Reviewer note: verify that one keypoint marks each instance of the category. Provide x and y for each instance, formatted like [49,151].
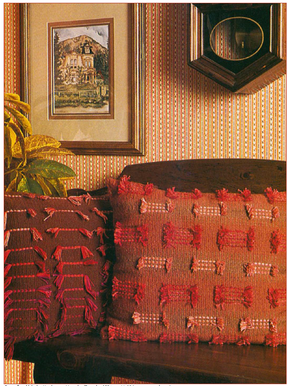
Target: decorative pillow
[196,267]
[55,266]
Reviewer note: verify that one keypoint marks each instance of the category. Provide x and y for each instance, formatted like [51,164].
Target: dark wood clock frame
[254,73]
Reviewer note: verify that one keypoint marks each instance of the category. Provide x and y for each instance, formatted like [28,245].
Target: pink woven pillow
[196,267]
[55,267]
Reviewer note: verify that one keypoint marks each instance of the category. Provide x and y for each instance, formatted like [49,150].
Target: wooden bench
[88,359]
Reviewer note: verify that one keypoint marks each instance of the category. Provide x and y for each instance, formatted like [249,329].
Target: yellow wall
[186,115]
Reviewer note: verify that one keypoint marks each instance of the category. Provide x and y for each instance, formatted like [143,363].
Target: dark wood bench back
[211,174]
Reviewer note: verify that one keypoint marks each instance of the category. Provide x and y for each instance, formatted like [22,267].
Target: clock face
[236,38]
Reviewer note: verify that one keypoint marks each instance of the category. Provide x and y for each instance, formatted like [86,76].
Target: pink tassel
[60,295]
[57,253]
[8,302]
[7,282]
[5,220]
[50,212]
[29,195]
[6,238]
[275,213]
[9,348]
[36,235]
[59,281]
[6,254]
[40,252]
[88,287]
[89,317]
[7,269]
[85,252]
[101,214]
[7,293]
[31,212]
[54,231]
[86,233]
[91,304]
[75,200]
[82,215]
[87,198]
[123,187]
[195,210]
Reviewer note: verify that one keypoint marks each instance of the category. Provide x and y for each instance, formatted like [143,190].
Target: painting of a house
[81,73]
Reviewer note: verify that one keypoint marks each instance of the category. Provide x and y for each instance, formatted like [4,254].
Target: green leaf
[8,144]
[20,138]
[49,151]
[29,185]
[58,186]
[42,182]
[23,121]
[50,169]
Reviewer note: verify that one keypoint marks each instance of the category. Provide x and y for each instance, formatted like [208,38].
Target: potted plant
[26,166]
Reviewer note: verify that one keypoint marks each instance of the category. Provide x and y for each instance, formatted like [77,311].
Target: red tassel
[196,194]
[123,187]
[193,338]
[82,215]
[7,282]
[271,194]
[31,212]
[222,194]
[102,249]
[6,254]
[88,287]
[246,194]
[90,262]
[63,316]
[40,265]
[57,253]
[86,252]
[50,212]
[6,238]
[7,293]
[9,348]
[45,290]
[101,232]
[54,231]
[196,242]
[172,194]
[39,336]
[85,232]
[36,235]
[59,281]
[8,302]
[248,296]
[59,267]
[40,252]
[43,276]
[101,214]
[7,269]
[29,195]
[75,200]
[250,239]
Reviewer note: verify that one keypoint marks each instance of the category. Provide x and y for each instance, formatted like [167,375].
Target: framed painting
[83,73]
[80,71]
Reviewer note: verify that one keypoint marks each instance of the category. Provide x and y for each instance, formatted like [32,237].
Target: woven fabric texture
[196,267]
[55,266]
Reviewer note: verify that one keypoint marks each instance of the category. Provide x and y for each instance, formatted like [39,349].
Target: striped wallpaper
[187,115]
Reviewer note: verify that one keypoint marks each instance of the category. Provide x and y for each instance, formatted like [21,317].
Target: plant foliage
[26,166]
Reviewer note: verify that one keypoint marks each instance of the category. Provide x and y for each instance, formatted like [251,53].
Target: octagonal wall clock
[240,46]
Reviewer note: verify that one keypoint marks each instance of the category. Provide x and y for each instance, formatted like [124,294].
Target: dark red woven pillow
[198,267]
[55,267]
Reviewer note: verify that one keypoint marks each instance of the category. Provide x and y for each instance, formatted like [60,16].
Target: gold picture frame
[121,133]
